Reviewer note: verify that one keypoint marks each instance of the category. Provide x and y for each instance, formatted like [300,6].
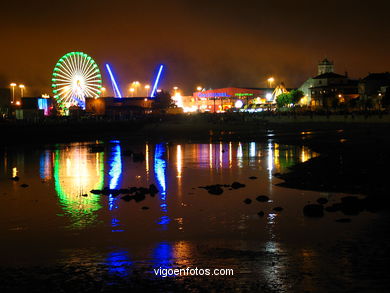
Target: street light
[132,91]
[135,85]
[270,81]
[13,85]
[21,86]
[103,89]
[147,88]
[199,88]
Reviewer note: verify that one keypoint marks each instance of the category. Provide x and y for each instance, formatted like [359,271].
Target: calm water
[50,222]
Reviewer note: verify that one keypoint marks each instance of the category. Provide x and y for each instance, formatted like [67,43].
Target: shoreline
[183,128]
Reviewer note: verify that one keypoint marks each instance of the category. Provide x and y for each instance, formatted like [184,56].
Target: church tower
[325,66]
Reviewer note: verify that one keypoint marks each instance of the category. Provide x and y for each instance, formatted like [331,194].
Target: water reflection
[45,165]
[115,172]
[76,172]
[119,263]
[162,255]
[160,166]
[114,179]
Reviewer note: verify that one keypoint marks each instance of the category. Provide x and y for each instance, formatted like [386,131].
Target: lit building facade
[223,99]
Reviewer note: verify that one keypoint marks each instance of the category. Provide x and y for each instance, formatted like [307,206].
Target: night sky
[212,43]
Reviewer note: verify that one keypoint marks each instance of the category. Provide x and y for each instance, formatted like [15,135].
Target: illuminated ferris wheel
[76,76]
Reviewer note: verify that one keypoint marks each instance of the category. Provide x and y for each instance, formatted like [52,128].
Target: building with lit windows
[223,99]
[328,88]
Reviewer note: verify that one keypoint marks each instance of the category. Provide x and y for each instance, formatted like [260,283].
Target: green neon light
[243,94]
[62,100]
[81,210]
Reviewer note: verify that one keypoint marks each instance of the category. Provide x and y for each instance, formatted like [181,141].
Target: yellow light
[147,86]
[145,99]
[271,79]
[199,88]
[21,86]
[103,89]
[13,84]
[132,89]
[18,103]
[175,88]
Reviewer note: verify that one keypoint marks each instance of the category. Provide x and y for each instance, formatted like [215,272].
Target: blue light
[213,95]
[114,173]
[157,81]
[114,85]
[160,166]
[119,263]
[163,254]
[44,165]
[43,105]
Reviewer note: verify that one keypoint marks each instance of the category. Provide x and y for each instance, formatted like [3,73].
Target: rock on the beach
[252,177]
[236,185]
[262,198]
[213,189]
[85,195]
[260,214]
[313,210]
[95,191]
[322,200]
[334,207]
[24,185]
[127,197]
[247,201]
[278,209]
[145,208]
[153,189]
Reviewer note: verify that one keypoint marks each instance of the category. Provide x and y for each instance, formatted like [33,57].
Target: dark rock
[85,195]
[334,208]
[153,189]
[236,185]
[16,178]
[278,209]
[322,200]
[217,190]
[124,191]
[260,214]
[343,220]
[252,177]
[24,185]
[127,197]
[213,189]
[96,191]
[139,197]
[247,201]
[133,189]
[145,208]
[143,190]
[262,198]
[313,210]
